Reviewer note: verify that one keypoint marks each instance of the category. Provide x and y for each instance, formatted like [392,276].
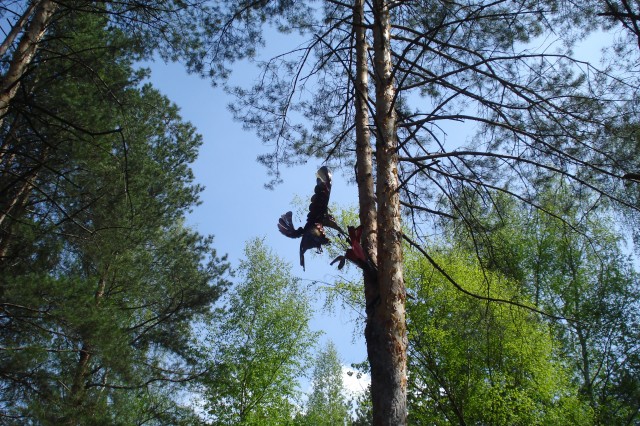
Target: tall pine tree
[100,280]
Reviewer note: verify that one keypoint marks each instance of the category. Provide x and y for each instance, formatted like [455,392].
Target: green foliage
[259,345]
[363,415]
[571,264]
[327,403]
[478,362]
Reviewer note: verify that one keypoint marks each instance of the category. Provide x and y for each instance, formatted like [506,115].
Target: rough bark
[386,329]
[24,52]
[364,152]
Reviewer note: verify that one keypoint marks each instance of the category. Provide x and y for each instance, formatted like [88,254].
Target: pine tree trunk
[17,28]
[364,152]
[386,329]
[25,51]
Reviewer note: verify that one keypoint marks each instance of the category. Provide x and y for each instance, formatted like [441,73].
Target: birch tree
[327,403]
[259,345]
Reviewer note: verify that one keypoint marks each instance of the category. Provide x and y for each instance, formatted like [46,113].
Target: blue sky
[236,207]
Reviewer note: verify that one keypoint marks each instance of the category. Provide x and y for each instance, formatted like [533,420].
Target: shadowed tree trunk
[386,330]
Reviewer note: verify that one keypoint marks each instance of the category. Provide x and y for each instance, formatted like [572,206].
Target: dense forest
[496,275]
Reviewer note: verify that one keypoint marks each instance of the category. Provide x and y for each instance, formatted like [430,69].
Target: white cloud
[352,383]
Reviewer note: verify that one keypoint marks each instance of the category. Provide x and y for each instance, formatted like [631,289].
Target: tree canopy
[474,362]
[327,403]
[259,345]
[100,278]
